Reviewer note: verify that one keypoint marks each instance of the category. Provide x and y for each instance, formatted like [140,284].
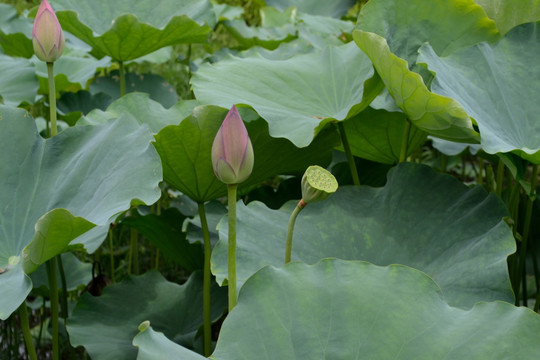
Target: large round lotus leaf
[126,30]
[336,8]
[106,325]
[143,109]
[435,114]
[84,175]
[510,13]
[185,151]
[420,218]
[339,309]
[447,24]
[18,81]
[498,86]
[285,93]
[355,310]
[377,135]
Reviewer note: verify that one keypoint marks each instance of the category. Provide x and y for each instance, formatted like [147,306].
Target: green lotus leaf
[72,73]
[345,305]
[185,151]
[154,345]
[158,88]
[510,13]
[420,218]
[106,325]
[88,172]
[285,93]
[377,135]
[497,86]
[320,31]
[74,105]
[143,109]
[125,30]
[356,310]
[336,8]
[435,114]
[15,33]
[18,82]
[447,25]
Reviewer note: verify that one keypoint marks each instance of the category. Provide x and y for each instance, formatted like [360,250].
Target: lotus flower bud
[232,153]
[47,35]
[317,184]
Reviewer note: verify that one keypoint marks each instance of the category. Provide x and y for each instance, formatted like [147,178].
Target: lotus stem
[63,299]
[405,142]
[111,253]
[207,278]
[53,296]
[290,229]
[23,313]
[231,257]
[348,152]
[52,98]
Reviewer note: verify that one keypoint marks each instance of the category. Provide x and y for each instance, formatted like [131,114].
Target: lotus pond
[269,179]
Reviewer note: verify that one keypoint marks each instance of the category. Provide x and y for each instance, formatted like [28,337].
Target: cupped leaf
[185,151]
[106,325]
[18,81]
[125,30]
[420,218]
[143,109]
[72,73]
[435,114]
[377,135]
[497,85]
[510,13]
[285,93]
[446,24]
[154,345]
[93,172]
[355,310]
[336,8]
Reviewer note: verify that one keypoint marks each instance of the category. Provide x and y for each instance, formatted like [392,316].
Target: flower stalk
[207,282]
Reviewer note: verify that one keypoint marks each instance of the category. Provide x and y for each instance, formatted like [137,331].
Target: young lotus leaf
[446,24]
[81,177]
[18,82]
[435,114]
[106,325]
[185,151]
[510,13]
[498,86]
[377,135]
[336,8]
[420,218]
[355,310]
[143,109]
[285,93]
[72,72]
[126,30]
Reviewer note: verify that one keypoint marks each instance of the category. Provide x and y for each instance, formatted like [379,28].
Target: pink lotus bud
[47,35]
[232,153]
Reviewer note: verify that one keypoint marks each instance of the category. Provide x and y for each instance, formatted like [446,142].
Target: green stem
[207,282]
[499,179]
[525,232]
[480,175]
[52,98]
[444,162]
[348,152]
[134,251]
[231,258]
[122,78]
[405,142]
[53,296]
[63,299]
[290,229]
[23,313]
[111,253]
